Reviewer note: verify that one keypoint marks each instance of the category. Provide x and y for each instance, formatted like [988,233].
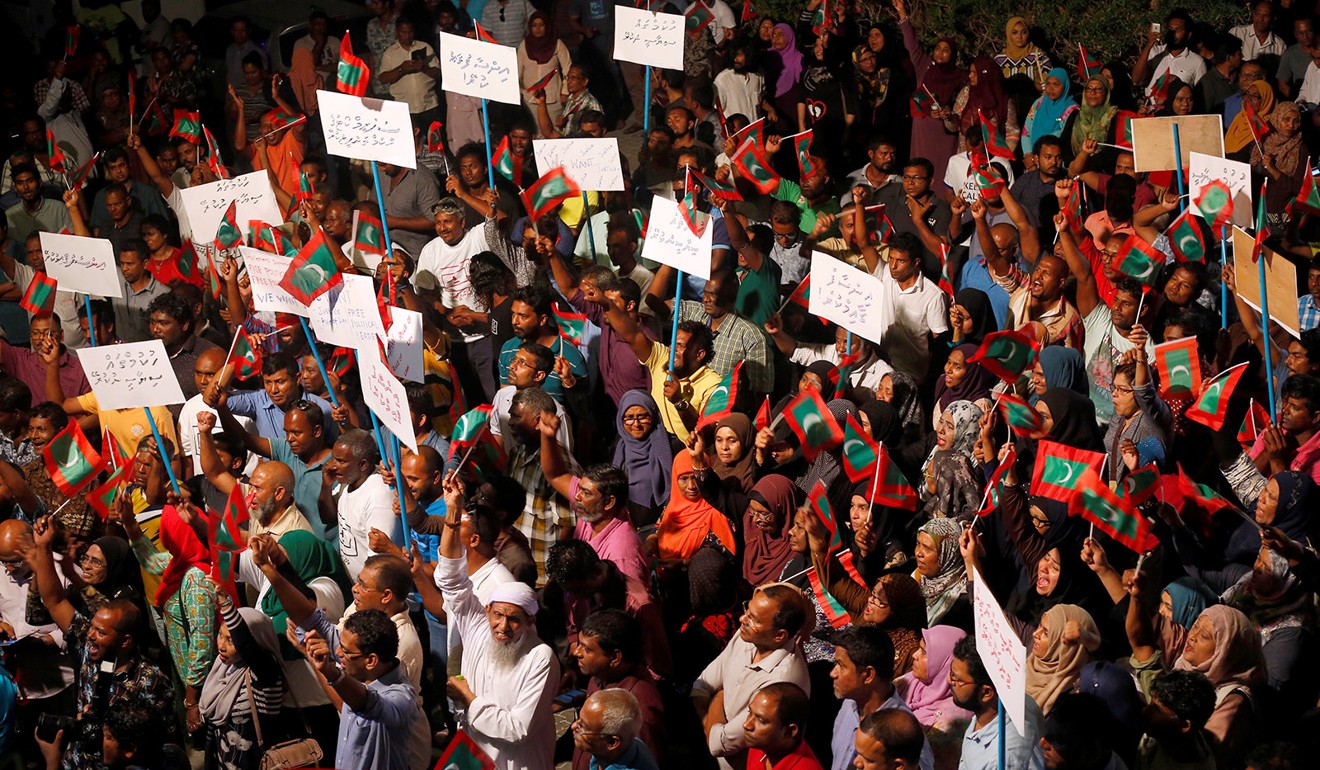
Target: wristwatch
[683,405]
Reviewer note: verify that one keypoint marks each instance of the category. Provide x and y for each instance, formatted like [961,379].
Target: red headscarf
[187,550]
[540,49]
[987,95]
[685,523]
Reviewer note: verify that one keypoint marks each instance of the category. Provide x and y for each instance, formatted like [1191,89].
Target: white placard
[479,69]
[81,264]
[264,272]
[386,398]
[1004,656]
[670,241]
[1205,169]
[131,375]
[645,37]
[347,315]
[403,345]
[367,129]
[206,204]
[592,163]
[847,296]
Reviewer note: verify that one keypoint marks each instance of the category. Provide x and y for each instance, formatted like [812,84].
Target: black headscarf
[1074,419]
[123,576]
[977,305]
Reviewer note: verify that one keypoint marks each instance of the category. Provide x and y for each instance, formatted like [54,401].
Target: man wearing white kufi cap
[505,692]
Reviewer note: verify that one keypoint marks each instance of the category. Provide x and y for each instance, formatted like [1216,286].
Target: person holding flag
[543,64]
[1281,156]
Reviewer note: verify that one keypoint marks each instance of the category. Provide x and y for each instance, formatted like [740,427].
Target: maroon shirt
[27,366]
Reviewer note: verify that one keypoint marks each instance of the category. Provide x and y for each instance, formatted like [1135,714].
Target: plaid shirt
[737,339]
[545,519]
[77,97]
[1308,313]
[1063,324]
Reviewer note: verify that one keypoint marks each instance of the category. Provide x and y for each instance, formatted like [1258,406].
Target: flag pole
[477,439]
[646,105]
[673,334]
[490,167]
[230,355]
[320,365]
[384,220]
[1265,329]
[91,323]
[1223,287]
[586,217]
[398,487]
[847,350]
[160,446]
[1177,159]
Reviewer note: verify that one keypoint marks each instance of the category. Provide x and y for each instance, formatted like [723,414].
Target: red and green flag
[922,104]
[1123,132]
[694,219]
[1140,260]
[1007,354]
[946,273]
[71,35]
[85,170]
[1072,209]
[57,161]
[697,18]
[102,497]
[369,237]
[186,263]
[890,487]
[723,399]
[1211,406]
[1259,128]
[1159,90]
[472,431]
[748,11]
[802,148]
[995,143]
[352,73]
[1256,420]
[312,272]
[543,83]
[1308,198]
[860,453]
[229,534]
[1139,485]
[463,753]
[726,191]
[262,236]
[187,126]
[1112,514]
[506,163]
[39,299]
[1021,417]
[1185,238]
[812,423]
[994,488]
[1086,63]
[306,187]
[989,181]
[246,357]
[341,361]
[1216,204]
[435,138]
[572,325]
[70,459]
[762,420]
[749,160]
[840,375]
[554,187]
[1059,469]
[801,296]
[837,616]
[819,500]
[227,233]
[483,35]
[1178,363]
[1180,491]
[1262,226]
[213,158]
[877,223]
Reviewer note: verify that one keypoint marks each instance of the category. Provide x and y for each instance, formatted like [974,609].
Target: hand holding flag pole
[160,447]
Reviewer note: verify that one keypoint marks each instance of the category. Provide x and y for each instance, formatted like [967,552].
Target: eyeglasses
[915,178]
[1094,89]
[580,730]
[91,561]
[956,682]
[877,602]
[636,419]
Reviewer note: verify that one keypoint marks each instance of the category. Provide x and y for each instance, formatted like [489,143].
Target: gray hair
[360,444]
[620,713]
[449,206]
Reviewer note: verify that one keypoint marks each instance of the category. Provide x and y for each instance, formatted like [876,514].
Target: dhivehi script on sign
[670,241]
[847,296]
[131,375]
[479,69]
[646,37]
[81,264]
[386,397]
[367,129]
[206,204]
[1205,169]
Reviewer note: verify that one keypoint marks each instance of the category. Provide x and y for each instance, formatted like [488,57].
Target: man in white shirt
[205,368]
[914,310]
[1257,39]
[411,70]
[867,372]
[739,87]
[958,174]
[324,46]
[364,501]
[1310,91]
[1173,57]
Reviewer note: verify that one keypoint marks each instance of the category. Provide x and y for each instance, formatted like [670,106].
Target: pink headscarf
[931,701]
[790,61]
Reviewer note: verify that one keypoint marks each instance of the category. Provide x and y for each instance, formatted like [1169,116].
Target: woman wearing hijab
[247,677]
[1239,139]
[785,69]
[942,574]
[109,567]
[542,54]
[766,525]
[1060,647]
[644,453]
[1283,160]
[1058,367]
[1094,118]
[732,461]
[971,317]
[1179,98]
[940,78]
[1068,417]
[879,82]
[951,483]
[1283,612]
[1049,114]
[713,593]
[963,380]
[688,521]
[983,95]
[882,535]
[1119,79]
[1114,685]
[1023,57]
[815,376]
[927,692]
[1225,646]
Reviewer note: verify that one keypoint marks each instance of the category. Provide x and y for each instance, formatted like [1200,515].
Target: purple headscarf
[646,460]
[790,61]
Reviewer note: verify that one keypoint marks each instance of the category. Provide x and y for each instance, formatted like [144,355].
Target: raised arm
[40,556]
[630,330]
[212,467]
[861,235]
[751,256]
[995,259]
[552,456]
[157,177]
[1028,238]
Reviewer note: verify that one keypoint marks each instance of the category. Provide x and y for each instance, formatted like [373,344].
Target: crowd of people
[617,543]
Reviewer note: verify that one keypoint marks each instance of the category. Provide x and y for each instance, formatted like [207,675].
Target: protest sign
[206,204]
[847,296]
[670,241]
[1205,169]
[479,69]
[1152,140]
[367,129]
[264,273]
[385,396]
[1280,281]
[593,164]
[347,315]
[131,375]
[403,345]
[645,37]
[1005,657]
[82,264]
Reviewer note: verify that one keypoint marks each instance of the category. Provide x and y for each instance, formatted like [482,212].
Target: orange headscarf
[686,523]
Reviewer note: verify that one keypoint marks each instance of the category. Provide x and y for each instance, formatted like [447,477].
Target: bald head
[272,490]
[1006,237]
[15,537]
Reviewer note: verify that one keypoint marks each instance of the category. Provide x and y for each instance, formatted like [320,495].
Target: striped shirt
[545,519]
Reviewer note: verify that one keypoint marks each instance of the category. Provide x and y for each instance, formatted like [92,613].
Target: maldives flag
[819,500]
[1212,405]
[1180,491]
[114,453]
[229,530]
[70,459]
[213,278]
[1123,134]
[698,17]
[186,264]
[1308,198]
[722,400]
[748,12]
[922,104]
[554,187]
[227,233]
[213,155]
[860,454]
[749,160]
[840,374]
[468,427]
[1139,260]
[187,126]
[1059,469]
[1259,128]
[1262,226]
[1112,514]
[313,272]
[262,236]
[1007,354]
[71,35]
[54,154]
[462,753]
[341,361]
[762,420]
[1087,63]
[812,423]
[891,488]
[801,296]
[1256,420]
[694,219]
[802,146]
[1020,416]
[306,188]
[990,181]
[246,358]
[435,138]
[995,143]
[994,488]
[506,163]
[1159,90]
[39,299]
[352,72]
[717,187]
[1179,365]
[369,236]
[483,35]
[946,275]
[1216,204]
[878,224]
[85,170]
[837,616]
[1072,209]
[572,325]
[1185,238]
[1141,484]
[101,498]
[543,83]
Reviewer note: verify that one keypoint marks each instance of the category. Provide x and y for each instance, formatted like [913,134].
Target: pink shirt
[617,542]
[1307,459]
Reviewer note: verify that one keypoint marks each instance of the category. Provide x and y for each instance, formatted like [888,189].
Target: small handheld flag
[39,299]
[554,187]
[1007,354]
[353,74]
[1211,407]
[187,126]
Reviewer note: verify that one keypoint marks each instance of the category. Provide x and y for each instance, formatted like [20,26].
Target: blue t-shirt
[553,384]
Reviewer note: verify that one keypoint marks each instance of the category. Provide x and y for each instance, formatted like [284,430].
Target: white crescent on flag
[1194,242]
[809,421]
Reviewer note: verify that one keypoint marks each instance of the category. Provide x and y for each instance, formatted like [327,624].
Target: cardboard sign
[206,204]
[347,315]
[645,37]
[81,264]
[131,375]
[1280,281]
[670,241]
[1005,657]
[403,345]
[367,129]
[1205,169]
[1152,140]
[479,69]
[592,163]
[385,396]
[847,296]
[264,272]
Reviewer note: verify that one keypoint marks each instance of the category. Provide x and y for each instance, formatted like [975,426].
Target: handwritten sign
[367,129]
[592,163]
[206,204]
[479,69]
[347,315]
[385,396]
[403,345]
[81,264]
[1280,282]
[644,37]
[131,375]
[1004,656]
[847,296]
[1152,140]
[1205,169]
[264,272]
[670,241]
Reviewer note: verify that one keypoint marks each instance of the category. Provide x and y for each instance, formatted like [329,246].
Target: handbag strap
[252,706]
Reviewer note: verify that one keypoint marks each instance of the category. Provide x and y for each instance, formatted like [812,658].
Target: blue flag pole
[1002,720]
[398,488]
[160,446]
[586,217]
[1178,166]
[1223,287]
[1265,331]
[848,344]
[91,324]
[384,220]
[673,334]
[490,167]
[646,106]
